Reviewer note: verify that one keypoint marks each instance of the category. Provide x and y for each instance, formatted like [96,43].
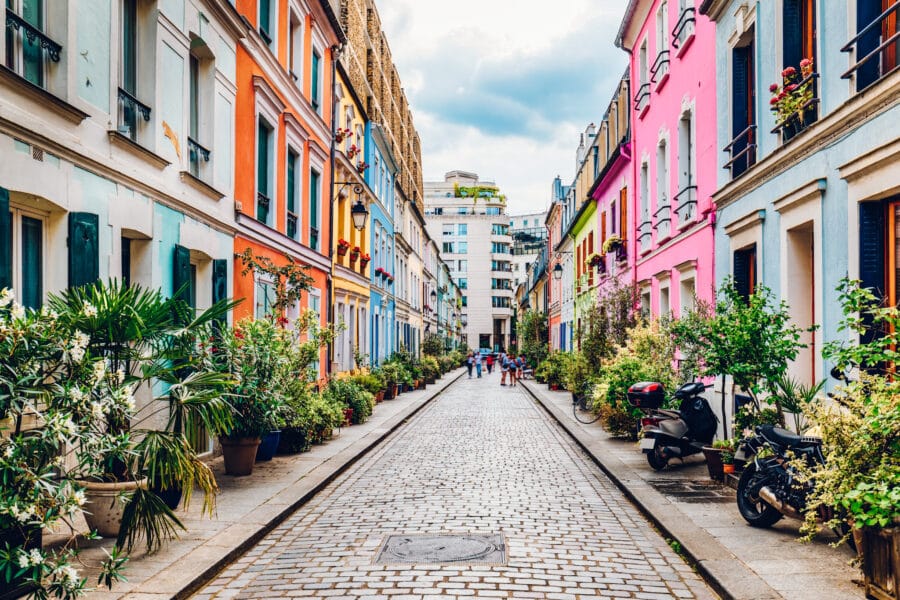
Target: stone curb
[723,571]
[203,563]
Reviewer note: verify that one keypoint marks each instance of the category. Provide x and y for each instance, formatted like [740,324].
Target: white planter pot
[104,507]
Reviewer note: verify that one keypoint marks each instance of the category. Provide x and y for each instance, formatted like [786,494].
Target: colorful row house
[807,189]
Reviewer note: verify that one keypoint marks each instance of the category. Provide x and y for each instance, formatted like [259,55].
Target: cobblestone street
[482,459]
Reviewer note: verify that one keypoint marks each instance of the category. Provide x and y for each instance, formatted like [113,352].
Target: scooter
[668,434]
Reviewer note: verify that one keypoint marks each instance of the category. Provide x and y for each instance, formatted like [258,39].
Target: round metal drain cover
[462,548]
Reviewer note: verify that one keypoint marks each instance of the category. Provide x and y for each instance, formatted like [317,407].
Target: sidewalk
[737,560]
[250,507]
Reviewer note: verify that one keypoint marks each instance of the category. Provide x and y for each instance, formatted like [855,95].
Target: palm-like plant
[152,343]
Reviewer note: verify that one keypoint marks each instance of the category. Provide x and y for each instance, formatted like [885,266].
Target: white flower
[36,557]
[99,370]
[120,376]
[68,427]
[23,561]
[97,410]
[6,296]
[8,451]
[78,497]
[76,394]
[69,577]
[18,311]
[89,310]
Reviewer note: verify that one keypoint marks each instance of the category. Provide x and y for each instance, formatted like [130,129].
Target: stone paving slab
[482,460]
[739,561]
[249,507]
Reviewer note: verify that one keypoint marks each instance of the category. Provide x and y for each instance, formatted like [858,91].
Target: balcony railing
[644,234]
[292,226]
[642,98]
[684,28]
[686,204]
[662,218]
[742,150]
[129,109]
[869,68]
[805,115]
[34,35]
[196,153]
[660,67]
[314,238]
[262,207]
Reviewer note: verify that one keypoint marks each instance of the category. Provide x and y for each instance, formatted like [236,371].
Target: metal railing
[662,218]
[686,203]
[196,153]
[746,155]
[642,98]
[292,226]
[684,28]
[262,207]
[805,115]
[660,66]
[34,35]
[882,69]
[644,234]
[130,108]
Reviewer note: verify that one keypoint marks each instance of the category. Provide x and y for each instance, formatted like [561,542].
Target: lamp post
[358,212]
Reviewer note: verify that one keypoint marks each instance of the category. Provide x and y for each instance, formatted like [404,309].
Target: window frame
[17,212]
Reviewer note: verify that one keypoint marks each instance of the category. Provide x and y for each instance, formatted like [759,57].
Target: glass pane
[126,261]
[32,262]
[314,94]
[291,192]
[129,46]
[314,198]
[194,98]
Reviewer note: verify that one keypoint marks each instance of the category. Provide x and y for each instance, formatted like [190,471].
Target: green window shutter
[5,240]
[84,251]
[291,168]
[219,280]
[181,275]
[32,292]
[314,92]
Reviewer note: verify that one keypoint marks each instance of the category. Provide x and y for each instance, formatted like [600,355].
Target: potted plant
[728,462]
[392,377]
[431,368]
[612,243]
[364,262]
[342,247]
[352,151]
[792,99]
[594,259]
[361,166]
[354,254]
[342,134]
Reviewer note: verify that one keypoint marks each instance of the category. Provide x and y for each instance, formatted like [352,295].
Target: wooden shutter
[5,240]
[792,33]
[872,246]
[745,271]
[888,30]
[602,228]
[219,280]
[740,116]
[84,253]
[623,213]
[181,275]
[866,13]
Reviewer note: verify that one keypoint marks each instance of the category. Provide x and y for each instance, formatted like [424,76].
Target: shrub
[350,395]
[430,367]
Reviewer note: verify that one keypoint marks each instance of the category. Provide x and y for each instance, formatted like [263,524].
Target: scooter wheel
[656,461]
[756,512]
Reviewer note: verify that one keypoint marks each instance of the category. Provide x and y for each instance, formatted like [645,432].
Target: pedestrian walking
[520,366]
[504,368]
[478,364]
[470,362]
[489,361]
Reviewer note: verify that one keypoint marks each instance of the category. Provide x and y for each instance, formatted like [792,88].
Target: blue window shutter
[181,275]
[792,34]
[5,240]
[84,252]
[872,232]
[744,271]
[866,12]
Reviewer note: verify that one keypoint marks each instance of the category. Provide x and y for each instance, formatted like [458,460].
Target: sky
[504,88]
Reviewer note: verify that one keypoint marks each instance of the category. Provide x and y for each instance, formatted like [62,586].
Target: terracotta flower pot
[239,454]
[103,509]
[728,469]
[342,250]
[379,397]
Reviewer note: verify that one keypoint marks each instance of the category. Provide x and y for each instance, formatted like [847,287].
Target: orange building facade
[283,145]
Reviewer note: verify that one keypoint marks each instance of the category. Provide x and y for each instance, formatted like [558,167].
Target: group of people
[512,367]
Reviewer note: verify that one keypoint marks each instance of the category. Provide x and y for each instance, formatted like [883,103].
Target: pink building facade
[672,53]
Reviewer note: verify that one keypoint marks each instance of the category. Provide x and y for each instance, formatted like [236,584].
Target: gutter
[329,280]
[626,20]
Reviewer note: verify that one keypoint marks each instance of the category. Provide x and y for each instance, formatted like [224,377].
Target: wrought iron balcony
[644,233]
[660,67]
[292,226]
[196,153]
[642,98]
[686,204]
[879,54]
[129,109]
[662,218]
[684,28]
[34,35]
[805,115]
[262,207]
[742,150]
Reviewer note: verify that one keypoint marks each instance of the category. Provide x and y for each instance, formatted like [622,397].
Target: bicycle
[583,402]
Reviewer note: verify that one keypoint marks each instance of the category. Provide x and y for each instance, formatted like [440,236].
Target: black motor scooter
[678,433]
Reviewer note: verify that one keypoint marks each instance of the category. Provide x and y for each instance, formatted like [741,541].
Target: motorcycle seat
[787,438]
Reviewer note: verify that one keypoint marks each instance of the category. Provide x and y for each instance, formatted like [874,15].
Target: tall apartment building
[529,235]
[468,218]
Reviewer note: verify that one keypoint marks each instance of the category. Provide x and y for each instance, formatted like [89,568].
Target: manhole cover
[441,549]
[694,492]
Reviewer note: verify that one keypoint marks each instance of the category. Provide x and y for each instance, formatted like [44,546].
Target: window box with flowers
[794,102]
[352,151]
[361,166]
[342,247]
[342,134]
[354,254]
[364,261]
[379,272]
[612,243]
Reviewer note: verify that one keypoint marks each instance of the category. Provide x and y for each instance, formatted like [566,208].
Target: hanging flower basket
[342,247]
[364,261]
[594,259]
[352,151]
[613,242]
[362,166]
[354,254]
[342,134]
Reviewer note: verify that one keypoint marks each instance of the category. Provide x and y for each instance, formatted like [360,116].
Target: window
[293,163]
[498,229]
[23,232]
[745,271]
[686,200]
[447,229]
[498,248]
[462,210]
[265,21]
[315,305]
[194,110]
[295,46]
[462,247]
[661,64]
[642,97]
[314,203]
[463,266]
[263,170]
[686,293]
[463,284]
[743,115]
[462,229]
[877,22]
[500,284]
[465,301]
[129,107]
[26,41]
[492,210]
[662,216]
[449,247]
[126,262]
[265,298]
[500,302]
[316,84]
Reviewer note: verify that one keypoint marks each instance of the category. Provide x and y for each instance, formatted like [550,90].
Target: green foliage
[531,333]
[433,344]
[576,376]
[606,323]
[373,382]
[290,279]
[430,367]
[793,397]
[350,395]
[749,416]
[554,367]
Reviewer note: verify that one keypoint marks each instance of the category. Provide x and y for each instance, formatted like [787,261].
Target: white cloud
[504,87]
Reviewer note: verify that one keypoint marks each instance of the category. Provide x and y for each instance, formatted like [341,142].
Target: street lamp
[557,272]
[358,212]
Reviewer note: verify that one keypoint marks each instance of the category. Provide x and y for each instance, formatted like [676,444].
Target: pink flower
[788,72]
[773,101]
[773,88]
[806,62]
[791,87]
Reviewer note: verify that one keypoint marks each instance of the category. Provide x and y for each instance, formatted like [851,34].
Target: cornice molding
[802,194]
[746,222]
[255,231]
[870,161]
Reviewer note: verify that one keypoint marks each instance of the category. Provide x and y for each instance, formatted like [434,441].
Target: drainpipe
[329,281]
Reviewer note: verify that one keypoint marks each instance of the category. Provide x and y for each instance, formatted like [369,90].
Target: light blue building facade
[380,178]
[806,200]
